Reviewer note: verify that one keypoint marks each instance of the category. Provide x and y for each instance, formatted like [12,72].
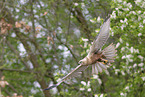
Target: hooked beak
[80,62]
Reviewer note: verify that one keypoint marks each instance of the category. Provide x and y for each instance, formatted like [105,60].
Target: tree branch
[68,49]
[17,70]
[17,54]
[33,57]
[81,19]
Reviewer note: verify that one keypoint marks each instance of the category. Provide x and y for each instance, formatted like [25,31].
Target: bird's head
[82,62]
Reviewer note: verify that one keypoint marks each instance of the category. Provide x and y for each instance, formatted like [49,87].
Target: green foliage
[49,37]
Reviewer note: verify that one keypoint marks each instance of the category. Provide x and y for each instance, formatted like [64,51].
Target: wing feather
[101,37]
[102,65]
[77,71]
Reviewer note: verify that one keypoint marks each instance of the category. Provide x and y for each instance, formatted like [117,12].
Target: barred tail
[98,67]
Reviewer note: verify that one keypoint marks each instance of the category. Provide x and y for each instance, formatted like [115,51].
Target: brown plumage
[96,57]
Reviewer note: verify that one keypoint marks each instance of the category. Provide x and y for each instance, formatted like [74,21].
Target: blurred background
[43,40]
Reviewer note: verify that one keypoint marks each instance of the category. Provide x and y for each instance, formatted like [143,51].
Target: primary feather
[101,38]
[76,72]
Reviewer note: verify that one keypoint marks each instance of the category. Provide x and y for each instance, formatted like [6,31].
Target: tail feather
[99,68]
[94,69]
[102,65]
[110,53]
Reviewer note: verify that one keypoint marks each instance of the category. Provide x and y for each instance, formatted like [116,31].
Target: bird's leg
[104,61]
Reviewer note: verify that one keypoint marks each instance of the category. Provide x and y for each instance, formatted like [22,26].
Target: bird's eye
[80,62]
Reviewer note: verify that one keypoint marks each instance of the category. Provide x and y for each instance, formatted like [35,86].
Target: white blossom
[143,78]
[123,94]
[85,44]
[98,19]
[139,12]
[127,44]
[123,57]
[144,21]
[132,12]
[127,88]
[139,34]
[82,89]
[123,48]
[100,82]
[128,56]
[119,0]
[112,33]
[121,40]
[83,5]
[129,5]
[88,84]
[116,71]
[131,49]
[122,72]
[113,15]
[143,5]
[117,45]
[101,95]
[121,21]
[116,8]
[84,83]
[83,39]
[141,57]
[15,94]
[124,2]
[125,20]
[96,30]
[89,89]
[134,65]
[93,21]
[13,35]
[140,64]
[139,18]
[125,9]
[137,1]
[71,16]
[122,27]
[59,79]
[140,25]
[95,76]
[130,67]
[76,4]
[136,50]
[96,95]
[142,69]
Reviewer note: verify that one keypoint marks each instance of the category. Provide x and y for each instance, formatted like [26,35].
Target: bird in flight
[97,58]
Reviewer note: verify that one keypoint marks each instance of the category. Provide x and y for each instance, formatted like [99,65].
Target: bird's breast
[93,59]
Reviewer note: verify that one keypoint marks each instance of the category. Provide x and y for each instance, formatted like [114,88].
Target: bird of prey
[97,58]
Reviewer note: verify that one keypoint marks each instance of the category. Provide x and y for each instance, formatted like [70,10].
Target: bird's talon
[105,62]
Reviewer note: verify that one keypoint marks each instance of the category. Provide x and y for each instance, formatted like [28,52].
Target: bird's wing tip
[50,87]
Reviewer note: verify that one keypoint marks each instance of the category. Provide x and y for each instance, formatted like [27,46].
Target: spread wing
[101,37]
[76,72]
